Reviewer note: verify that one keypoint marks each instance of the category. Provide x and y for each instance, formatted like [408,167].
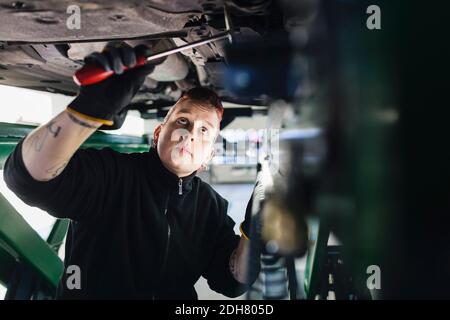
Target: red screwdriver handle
[94,73]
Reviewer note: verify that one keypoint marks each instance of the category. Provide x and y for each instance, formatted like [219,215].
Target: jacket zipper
[166,251]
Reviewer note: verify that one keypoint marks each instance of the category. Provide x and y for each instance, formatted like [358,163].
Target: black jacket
[137,230]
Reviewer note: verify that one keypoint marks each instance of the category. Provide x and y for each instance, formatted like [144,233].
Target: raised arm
[48,148]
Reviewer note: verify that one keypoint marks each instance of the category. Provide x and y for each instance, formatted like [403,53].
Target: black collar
[167,178]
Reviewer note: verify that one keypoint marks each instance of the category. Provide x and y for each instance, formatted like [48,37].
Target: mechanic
[143,225]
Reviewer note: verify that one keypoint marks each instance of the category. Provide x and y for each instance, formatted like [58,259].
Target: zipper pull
[180,186]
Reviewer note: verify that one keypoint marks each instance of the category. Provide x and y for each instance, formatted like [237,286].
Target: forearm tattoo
[80,122]
[55,170]
[37,140]
[52,130]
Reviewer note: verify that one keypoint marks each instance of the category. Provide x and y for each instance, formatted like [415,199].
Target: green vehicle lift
[29,265]
[325,270]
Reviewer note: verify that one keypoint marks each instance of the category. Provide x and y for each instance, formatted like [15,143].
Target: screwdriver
[93,73]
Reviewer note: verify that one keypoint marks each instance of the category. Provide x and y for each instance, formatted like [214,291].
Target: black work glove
[105,101]
[245,226]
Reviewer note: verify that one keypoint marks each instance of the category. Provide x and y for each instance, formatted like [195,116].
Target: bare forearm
[48,148]
[238,261]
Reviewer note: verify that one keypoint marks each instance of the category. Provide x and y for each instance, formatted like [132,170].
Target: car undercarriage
[44,51]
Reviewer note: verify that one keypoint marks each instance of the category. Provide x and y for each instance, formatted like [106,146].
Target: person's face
[185,141]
